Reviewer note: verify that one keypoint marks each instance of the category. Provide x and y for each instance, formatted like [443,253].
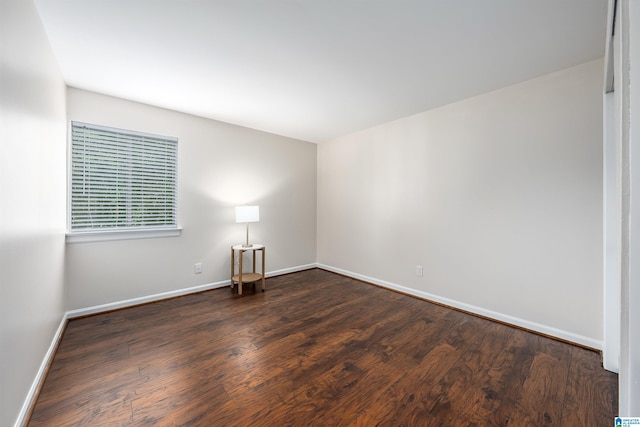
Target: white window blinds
[121,180]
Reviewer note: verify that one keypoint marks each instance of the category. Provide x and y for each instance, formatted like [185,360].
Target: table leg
[263,249]
[240,254]
[233,265]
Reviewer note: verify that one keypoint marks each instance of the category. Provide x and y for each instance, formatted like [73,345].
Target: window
[122,183]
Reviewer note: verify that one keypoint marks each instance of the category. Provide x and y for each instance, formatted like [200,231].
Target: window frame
[116,232]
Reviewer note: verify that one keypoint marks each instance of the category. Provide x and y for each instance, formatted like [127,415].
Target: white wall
[628,93]
[631,329]
[219,167]
[611,235]
[32,209]
[498,197]
[611,198]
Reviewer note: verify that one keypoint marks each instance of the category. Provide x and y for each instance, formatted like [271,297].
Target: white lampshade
[247,214]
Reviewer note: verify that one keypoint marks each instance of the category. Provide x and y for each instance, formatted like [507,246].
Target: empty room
[328,213]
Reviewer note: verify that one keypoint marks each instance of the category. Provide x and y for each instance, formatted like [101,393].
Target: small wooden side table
[242,277]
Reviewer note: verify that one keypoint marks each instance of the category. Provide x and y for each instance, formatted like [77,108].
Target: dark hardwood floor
[316,349]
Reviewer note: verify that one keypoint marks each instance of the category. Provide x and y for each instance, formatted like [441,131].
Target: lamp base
[247,245]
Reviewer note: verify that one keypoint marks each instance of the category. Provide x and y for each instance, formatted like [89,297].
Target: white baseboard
[42,371]
[505,318]
[171,294]
[290,270]
[143,300]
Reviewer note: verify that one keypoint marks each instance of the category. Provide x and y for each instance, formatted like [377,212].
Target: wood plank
[585,402]
[316,348]
[543,391]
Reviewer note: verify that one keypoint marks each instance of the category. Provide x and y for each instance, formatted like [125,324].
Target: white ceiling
[315,69]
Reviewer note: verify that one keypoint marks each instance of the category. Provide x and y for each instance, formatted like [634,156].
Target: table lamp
[247,214]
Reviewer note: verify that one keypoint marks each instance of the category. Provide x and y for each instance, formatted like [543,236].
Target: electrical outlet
[419,270]
[197,268]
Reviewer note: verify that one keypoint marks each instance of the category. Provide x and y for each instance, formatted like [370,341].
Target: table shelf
[241,277]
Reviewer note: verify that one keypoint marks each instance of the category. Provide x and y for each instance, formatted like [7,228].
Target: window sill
[106,236]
